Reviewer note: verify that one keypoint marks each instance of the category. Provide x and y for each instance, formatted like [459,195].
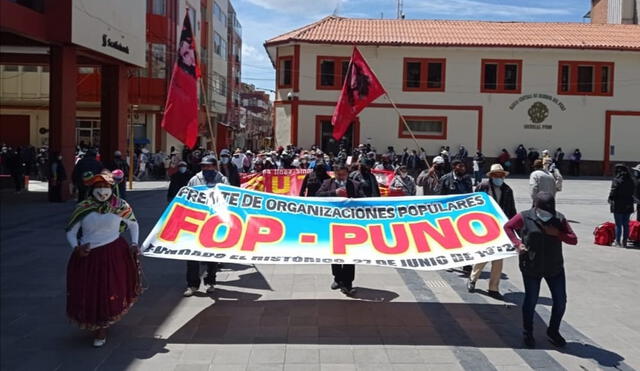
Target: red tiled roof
[338,30]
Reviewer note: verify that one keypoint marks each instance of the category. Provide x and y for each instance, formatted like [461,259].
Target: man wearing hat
[209,176]
[429,179]
[178,180]
[503,195]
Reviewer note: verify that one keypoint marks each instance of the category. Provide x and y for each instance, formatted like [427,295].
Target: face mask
[182,170]
[209,175]
[59,157]
[543,215]
[225,160]
[403,174]
[497,181]
[102,194]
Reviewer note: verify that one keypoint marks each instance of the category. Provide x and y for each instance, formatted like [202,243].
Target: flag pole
[405,125]
[206,109]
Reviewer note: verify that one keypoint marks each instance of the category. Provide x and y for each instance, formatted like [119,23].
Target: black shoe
[496,295]
[335,285]
[349,291]
[529,340]
[556,339]
[471,286]
[467,269]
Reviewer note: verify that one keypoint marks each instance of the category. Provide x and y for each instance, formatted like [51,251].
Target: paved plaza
[285,317]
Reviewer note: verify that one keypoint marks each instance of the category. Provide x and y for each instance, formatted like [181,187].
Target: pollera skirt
[102,286]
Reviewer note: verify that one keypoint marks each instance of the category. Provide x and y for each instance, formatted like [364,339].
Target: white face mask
[224,160]
[403,174]
[543,215]
[182,169]
[102,194]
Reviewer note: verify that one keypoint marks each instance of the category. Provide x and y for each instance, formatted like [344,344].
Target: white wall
[581,125]
[121,21]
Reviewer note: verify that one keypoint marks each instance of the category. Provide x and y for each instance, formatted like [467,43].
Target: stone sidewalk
[285,317]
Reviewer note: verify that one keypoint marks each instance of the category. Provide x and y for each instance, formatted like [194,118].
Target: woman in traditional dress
[103,279]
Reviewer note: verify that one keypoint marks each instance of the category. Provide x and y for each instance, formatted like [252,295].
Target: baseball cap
[438,160]
[209,160]
[225,152]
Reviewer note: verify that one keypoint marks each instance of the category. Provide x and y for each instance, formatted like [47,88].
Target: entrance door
[624,129]
[330,145]
[14,130]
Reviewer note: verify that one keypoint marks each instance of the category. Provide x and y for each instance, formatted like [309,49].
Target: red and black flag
[360,88]
[180,117]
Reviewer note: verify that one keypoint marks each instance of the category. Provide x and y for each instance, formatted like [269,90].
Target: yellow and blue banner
[235,225]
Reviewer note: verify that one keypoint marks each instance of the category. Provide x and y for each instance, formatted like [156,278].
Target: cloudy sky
[263,19]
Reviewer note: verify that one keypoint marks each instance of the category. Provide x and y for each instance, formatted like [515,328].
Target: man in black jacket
[87,163]
[455,183]
[341,186]
[502,193]
[367,181]
[178,180]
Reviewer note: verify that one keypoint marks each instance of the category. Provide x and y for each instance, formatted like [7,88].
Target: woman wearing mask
[103,279]
[542,231]
[312,181]
[178,180]
[621,202]
[403,182]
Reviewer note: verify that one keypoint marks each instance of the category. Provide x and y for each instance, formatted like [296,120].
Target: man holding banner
[341,186]
[209,176]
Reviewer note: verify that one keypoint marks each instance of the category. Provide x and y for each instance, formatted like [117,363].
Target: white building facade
[484,85]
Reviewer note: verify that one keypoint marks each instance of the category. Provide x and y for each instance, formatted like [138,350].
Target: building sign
[106,41]
[538,111]
[116,28]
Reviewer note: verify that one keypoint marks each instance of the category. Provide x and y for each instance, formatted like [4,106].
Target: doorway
[324,136]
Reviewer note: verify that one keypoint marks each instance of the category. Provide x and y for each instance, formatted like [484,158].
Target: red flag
[180,117]
[361,87]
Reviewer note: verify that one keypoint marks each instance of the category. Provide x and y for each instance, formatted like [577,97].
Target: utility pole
[400,13]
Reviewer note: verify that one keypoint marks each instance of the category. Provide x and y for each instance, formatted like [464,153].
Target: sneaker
[189,292]
[556,339]
[210,289]
[97,343]
[496,295]
[335,285]
[529,340]
[471,286]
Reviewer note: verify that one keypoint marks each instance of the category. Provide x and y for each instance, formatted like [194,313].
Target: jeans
[558,287]
[344,274]
[622,226]
[193,273]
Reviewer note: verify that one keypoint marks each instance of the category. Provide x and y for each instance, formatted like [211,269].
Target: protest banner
[289,181]
[230,224]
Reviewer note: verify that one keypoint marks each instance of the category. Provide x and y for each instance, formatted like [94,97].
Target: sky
[264,19]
